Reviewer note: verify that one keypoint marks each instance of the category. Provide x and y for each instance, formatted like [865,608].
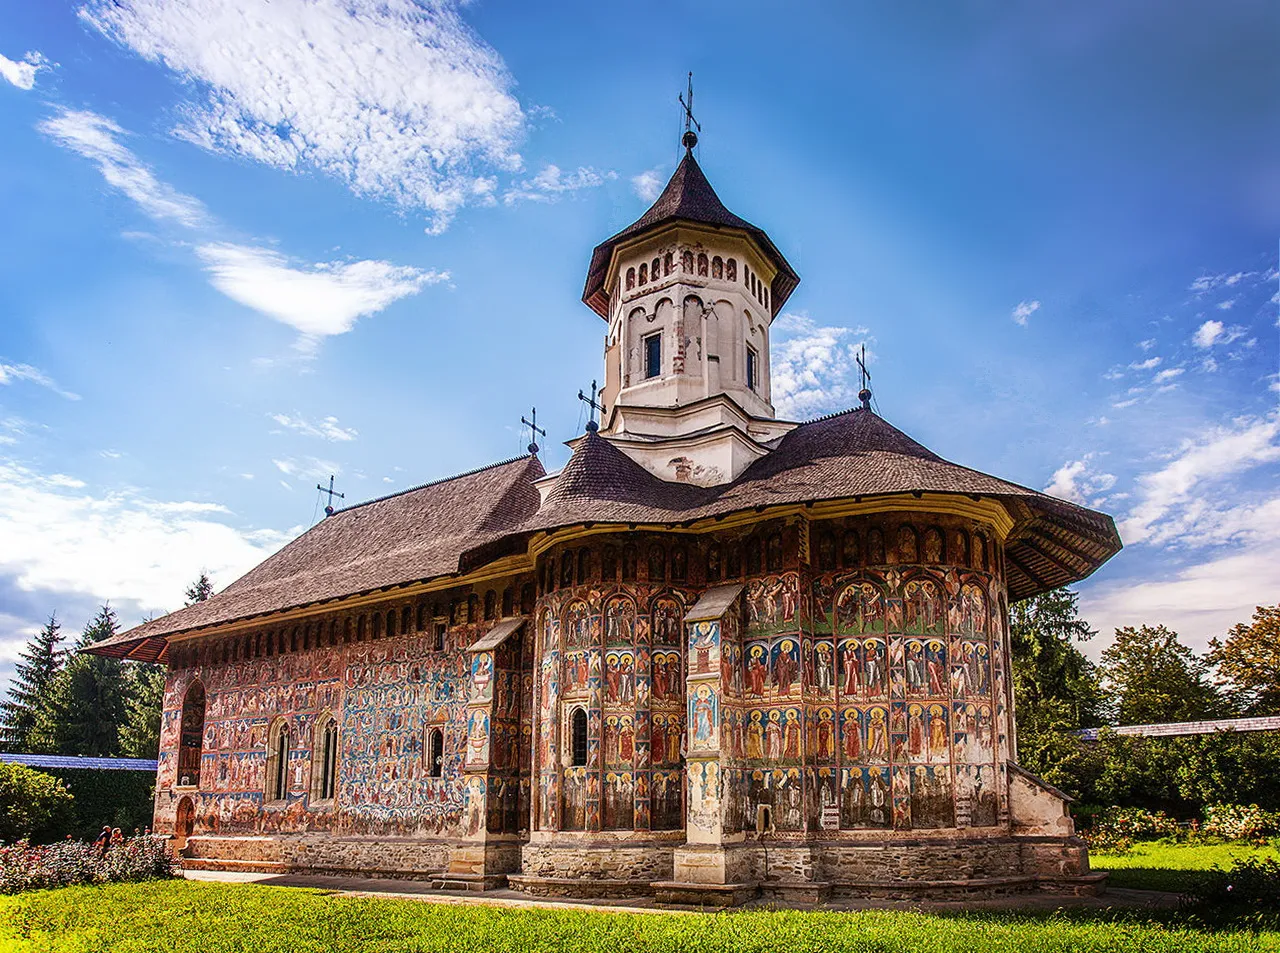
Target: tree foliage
[41,661]
[1055,685]
[1248,662]
[140,732]
[1152,677]
[200,590]
[32,805]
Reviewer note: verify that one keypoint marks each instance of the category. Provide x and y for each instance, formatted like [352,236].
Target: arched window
[667,263]
[473,608]
[702,264]
[324,760]
[435,753]
[578,744]
[644,274]
[609,564]
[731,269]
[717,267]
[191,737]
[713,563]
[278,761]
[657,564]
[508,602]
[490,605]
[653,269]
[584,566]
[686,262]
[631,278]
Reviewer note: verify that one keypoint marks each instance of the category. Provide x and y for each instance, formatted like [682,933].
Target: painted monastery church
[718,656]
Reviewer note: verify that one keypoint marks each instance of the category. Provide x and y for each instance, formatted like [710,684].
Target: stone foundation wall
[613,861]
[367,857]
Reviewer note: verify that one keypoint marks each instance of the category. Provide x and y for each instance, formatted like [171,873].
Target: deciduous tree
[1152,677]
[1248,662]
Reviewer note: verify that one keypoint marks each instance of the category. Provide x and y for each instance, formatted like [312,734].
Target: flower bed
[27,867]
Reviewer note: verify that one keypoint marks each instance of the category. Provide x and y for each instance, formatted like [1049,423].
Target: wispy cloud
[22,73]
[1168,374]
[97,139]
[326,428]
[813,367]
[1024,311]
[1148,364]
[307,468]
[317,300]
[552,182]
[648,184]
[397,99]
[12,373]
[1080,482]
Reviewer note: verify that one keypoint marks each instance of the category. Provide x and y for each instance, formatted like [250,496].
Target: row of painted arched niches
[421,617]
[836,548]
[701,265]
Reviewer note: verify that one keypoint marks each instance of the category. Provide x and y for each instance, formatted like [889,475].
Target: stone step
[242,866]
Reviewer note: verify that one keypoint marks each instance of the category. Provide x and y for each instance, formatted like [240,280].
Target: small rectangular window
[751,368]
[653,355]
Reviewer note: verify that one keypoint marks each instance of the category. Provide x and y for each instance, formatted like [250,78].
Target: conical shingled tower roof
[688,197]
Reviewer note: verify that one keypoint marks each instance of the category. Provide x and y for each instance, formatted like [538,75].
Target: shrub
[1235,822]
[27,867]
[33,805]
[1248,894]
[1130,824]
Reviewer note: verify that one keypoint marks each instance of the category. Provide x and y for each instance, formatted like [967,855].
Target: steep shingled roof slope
[688,197]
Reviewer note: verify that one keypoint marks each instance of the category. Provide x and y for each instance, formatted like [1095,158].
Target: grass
[191,917]
[1162,865]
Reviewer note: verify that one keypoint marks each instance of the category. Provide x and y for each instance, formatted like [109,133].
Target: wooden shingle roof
[449,526]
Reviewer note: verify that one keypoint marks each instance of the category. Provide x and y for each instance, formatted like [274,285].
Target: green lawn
[1157,865]
[189,917]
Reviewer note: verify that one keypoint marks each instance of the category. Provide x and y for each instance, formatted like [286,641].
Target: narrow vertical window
[751,367]
[278,763]
[329,779]
[439,640]
[191,737]
[435,753]
[653,355]
[579,745]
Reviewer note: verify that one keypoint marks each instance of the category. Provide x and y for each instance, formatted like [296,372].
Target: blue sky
[248,244]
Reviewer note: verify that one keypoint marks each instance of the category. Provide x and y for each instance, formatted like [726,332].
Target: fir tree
[84,706]
[140,733]
[200,590]
[42,659]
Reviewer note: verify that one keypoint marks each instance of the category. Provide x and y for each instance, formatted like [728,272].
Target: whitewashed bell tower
[689,291]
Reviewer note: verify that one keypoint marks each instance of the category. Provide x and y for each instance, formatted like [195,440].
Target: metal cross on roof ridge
[534,430]
[864,394]
[592,426]
[328,510]
[690,137]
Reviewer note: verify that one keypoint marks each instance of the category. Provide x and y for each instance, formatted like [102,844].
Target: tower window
[653,355]
[752,362]
[579,740]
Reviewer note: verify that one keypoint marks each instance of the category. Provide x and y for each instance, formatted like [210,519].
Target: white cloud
[317,300]
[813,368]
[1207,283]
[1148,344]
[116,544]
[96,138]
[1226,305]
[1168,374]
[553,182]
[327,428]
[308,468]
[1024,310]
[10,373]
[1146,365]
[397,99]
[1208,333]
[23,73]
[1173,499]
[648,184]
[1079,482]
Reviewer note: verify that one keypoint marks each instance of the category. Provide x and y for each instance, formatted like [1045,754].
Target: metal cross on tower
[534,430]
[592,426]
[328,510]
[691,126]
[864,394]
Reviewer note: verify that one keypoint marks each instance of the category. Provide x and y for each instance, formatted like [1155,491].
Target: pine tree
[140,733]
[200,590]
[42,659]
[84,706]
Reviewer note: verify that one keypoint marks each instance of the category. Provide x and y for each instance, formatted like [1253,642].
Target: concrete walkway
[1119,898]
